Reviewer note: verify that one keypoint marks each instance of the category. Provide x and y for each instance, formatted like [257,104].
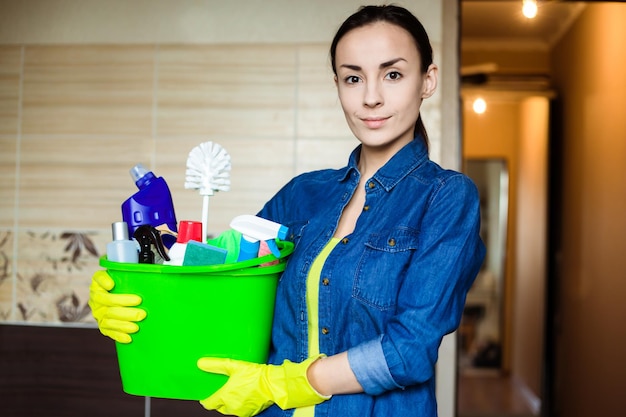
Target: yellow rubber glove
[114,313]
[252,387]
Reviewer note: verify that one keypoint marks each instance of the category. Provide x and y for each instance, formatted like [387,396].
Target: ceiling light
[529,8]
[479,106]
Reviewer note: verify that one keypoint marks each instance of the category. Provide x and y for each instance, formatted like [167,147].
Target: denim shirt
[390,290]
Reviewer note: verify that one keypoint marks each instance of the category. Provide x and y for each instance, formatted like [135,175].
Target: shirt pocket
[381,268]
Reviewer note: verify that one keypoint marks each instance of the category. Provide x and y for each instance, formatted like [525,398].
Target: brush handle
[205,218]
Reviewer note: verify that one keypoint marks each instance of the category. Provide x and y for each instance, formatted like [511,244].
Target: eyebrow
[385,64]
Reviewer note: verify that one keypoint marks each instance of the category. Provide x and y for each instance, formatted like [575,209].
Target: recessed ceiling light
[479,105]
[529,8]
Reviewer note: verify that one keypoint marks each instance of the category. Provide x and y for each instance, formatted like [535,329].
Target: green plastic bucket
[195,311]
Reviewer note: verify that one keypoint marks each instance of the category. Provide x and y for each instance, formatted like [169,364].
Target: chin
[382,140]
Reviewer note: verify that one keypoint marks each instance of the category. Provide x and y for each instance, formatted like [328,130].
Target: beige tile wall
[75,118]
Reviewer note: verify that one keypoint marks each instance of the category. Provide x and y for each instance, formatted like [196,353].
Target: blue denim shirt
[389,291]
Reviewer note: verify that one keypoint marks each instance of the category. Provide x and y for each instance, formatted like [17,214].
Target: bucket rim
[251,266]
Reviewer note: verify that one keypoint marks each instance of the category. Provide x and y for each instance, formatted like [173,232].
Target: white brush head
[208,169]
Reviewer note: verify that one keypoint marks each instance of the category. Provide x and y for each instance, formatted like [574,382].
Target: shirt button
[325,281]
[371,184]
[365,208]
[325,330]
[344,240]
[392,242]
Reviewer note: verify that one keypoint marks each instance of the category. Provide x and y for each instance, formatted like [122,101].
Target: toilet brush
[208,171]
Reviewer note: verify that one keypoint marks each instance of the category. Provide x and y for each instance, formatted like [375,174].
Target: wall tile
[90,113]
[75,182]
[6,274]
[79,89]
[316,154]
[319,111]
[8,167]
[53,275]
[226,90]
[10,62]
[260,166]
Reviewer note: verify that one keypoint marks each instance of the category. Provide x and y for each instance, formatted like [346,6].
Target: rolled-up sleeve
[368,363]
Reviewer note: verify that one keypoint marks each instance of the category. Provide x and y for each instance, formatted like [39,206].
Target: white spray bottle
[253,229]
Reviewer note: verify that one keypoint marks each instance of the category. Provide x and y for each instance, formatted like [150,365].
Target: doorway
[501,337]
[480,333]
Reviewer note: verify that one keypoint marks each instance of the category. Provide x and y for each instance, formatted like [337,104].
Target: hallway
[488,394]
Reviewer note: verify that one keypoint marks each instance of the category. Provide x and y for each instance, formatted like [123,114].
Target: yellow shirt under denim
[312,294]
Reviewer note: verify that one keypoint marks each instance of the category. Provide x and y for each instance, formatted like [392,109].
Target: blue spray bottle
[151,205]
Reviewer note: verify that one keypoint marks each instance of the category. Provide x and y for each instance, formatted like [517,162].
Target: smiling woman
[89,89]
[375,280]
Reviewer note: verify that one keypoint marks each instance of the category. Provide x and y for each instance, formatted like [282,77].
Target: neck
[372,159]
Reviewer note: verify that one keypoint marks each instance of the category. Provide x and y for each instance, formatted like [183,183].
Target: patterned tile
[53,274]
[6,274]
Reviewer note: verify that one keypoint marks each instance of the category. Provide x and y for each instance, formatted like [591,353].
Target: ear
[429,85]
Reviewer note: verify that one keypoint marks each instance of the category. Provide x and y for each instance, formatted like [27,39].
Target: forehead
[379,41]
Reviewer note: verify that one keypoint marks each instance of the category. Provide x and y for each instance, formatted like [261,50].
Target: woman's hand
[115,314]
[253,387]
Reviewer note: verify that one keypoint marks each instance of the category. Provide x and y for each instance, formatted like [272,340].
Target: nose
[373,95]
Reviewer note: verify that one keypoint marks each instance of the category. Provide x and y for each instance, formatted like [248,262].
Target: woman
[386,249]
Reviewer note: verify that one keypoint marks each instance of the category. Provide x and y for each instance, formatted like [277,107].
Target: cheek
[348,100]
[408,113]
[412,102]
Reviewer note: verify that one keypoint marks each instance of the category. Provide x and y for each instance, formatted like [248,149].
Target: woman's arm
[333,375]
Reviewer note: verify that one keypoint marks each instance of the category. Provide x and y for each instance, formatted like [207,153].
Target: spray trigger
[146,235]
[271,244]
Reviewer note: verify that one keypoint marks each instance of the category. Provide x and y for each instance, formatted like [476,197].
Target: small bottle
[122,249]
[188,230]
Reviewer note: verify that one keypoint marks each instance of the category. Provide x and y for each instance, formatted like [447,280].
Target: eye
[352,79]
[393,75]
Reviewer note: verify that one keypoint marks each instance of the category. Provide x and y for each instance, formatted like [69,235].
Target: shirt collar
[399,166]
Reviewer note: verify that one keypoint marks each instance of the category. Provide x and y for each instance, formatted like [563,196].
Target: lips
[374,122]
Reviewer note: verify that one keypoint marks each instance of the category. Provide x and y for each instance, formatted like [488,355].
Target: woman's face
[380,84]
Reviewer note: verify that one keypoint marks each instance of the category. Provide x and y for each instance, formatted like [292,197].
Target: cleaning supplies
[201,254]
[229,241]
[122,249]
[189,230]
[255,229]
[208,170]
[147,236]
[151,205]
